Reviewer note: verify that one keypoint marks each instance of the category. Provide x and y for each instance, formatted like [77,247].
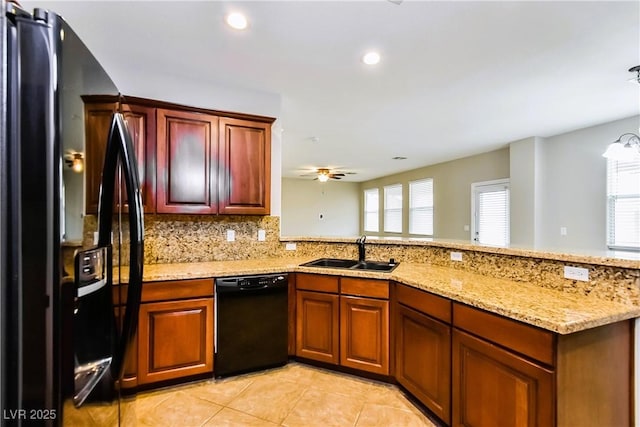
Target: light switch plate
[290,247]
[456,256]
[576,273]
[262,235]
[231,236]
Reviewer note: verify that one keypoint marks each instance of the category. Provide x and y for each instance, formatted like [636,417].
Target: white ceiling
[456,78]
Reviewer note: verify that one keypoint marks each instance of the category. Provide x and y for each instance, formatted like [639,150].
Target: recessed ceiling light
[371,58]
[237,20]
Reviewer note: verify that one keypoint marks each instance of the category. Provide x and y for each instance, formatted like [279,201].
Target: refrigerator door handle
[120,146]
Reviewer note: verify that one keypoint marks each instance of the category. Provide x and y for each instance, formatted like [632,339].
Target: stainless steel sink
[331,262]
[374,265]
[351,264]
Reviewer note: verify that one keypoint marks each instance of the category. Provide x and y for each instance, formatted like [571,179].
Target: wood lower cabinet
[317,326]
[187,162]
[423,359]
[494,387]
[130,375]
[245,167]
[364,334]
[343,321]
[176,339]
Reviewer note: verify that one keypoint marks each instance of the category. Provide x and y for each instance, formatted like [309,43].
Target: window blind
[623,204]
[371,206]
[492,214]
[393,208]
[421,207]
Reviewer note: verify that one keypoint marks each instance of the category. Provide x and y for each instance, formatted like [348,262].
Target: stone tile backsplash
[199,238]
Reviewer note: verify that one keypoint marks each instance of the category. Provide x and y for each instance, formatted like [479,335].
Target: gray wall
[451,189]
[526,172]
[303,201]
[574,186]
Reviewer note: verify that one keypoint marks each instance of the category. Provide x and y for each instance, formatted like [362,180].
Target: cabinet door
[317,326]
[245,167]
[130,377]
[364,334]
[186,162]
[175,339]
[494,387]
[141,123]
[423,359]
[97,122]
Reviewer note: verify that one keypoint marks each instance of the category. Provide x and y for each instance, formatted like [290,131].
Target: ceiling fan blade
[336,174]
[335,177]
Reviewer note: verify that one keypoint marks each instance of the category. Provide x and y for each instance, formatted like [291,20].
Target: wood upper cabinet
[140,123]
[364,334]
[176,339]
[423,359]
[187,163]
[245,167]
[494,387]
[97,122]
[317,326]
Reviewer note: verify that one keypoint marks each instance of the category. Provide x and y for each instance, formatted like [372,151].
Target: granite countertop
[623,259]
[553,310]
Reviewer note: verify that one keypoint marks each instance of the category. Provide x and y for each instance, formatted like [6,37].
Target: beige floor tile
[180,409]
[388,395]
[320,408]
[269,398]
[374,415]
[231,417]
[344,384]
[297,373]
[221,391]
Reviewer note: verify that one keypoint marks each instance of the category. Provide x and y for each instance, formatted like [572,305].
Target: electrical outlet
[231,236]
[262,235]
[576,273]
[95,237]
[456,256]
[563,231]
[290,247]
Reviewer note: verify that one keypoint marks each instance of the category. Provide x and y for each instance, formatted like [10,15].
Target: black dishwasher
[250,323]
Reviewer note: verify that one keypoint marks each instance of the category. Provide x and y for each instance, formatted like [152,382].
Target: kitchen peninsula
[558,350]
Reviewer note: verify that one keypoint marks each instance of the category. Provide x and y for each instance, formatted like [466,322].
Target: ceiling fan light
[237,21]
[323,177]
[371,58]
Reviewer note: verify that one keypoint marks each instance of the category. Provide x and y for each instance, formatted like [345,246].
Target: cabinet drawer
[527,340]
[317,282]
[364,287]
[176,289]
[423,301]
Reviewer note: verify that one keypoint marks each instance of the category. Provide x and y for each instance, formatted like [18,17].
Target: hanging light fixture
[626,147]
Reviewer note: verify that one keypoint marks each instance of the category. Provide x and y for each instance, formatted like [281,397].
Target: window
[393,208]
[371,210]
[490,205]
[623,204]
[421,207]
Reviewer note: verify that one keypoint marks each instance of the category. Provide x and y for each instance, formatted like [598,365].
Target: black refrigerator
[46,69]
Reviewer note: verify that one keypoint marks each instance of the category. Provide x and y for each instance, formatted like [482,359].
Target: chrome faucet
[361,250]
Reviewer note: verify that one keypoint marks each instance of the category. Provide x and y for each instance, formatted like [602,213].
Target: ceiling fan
[325,174]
